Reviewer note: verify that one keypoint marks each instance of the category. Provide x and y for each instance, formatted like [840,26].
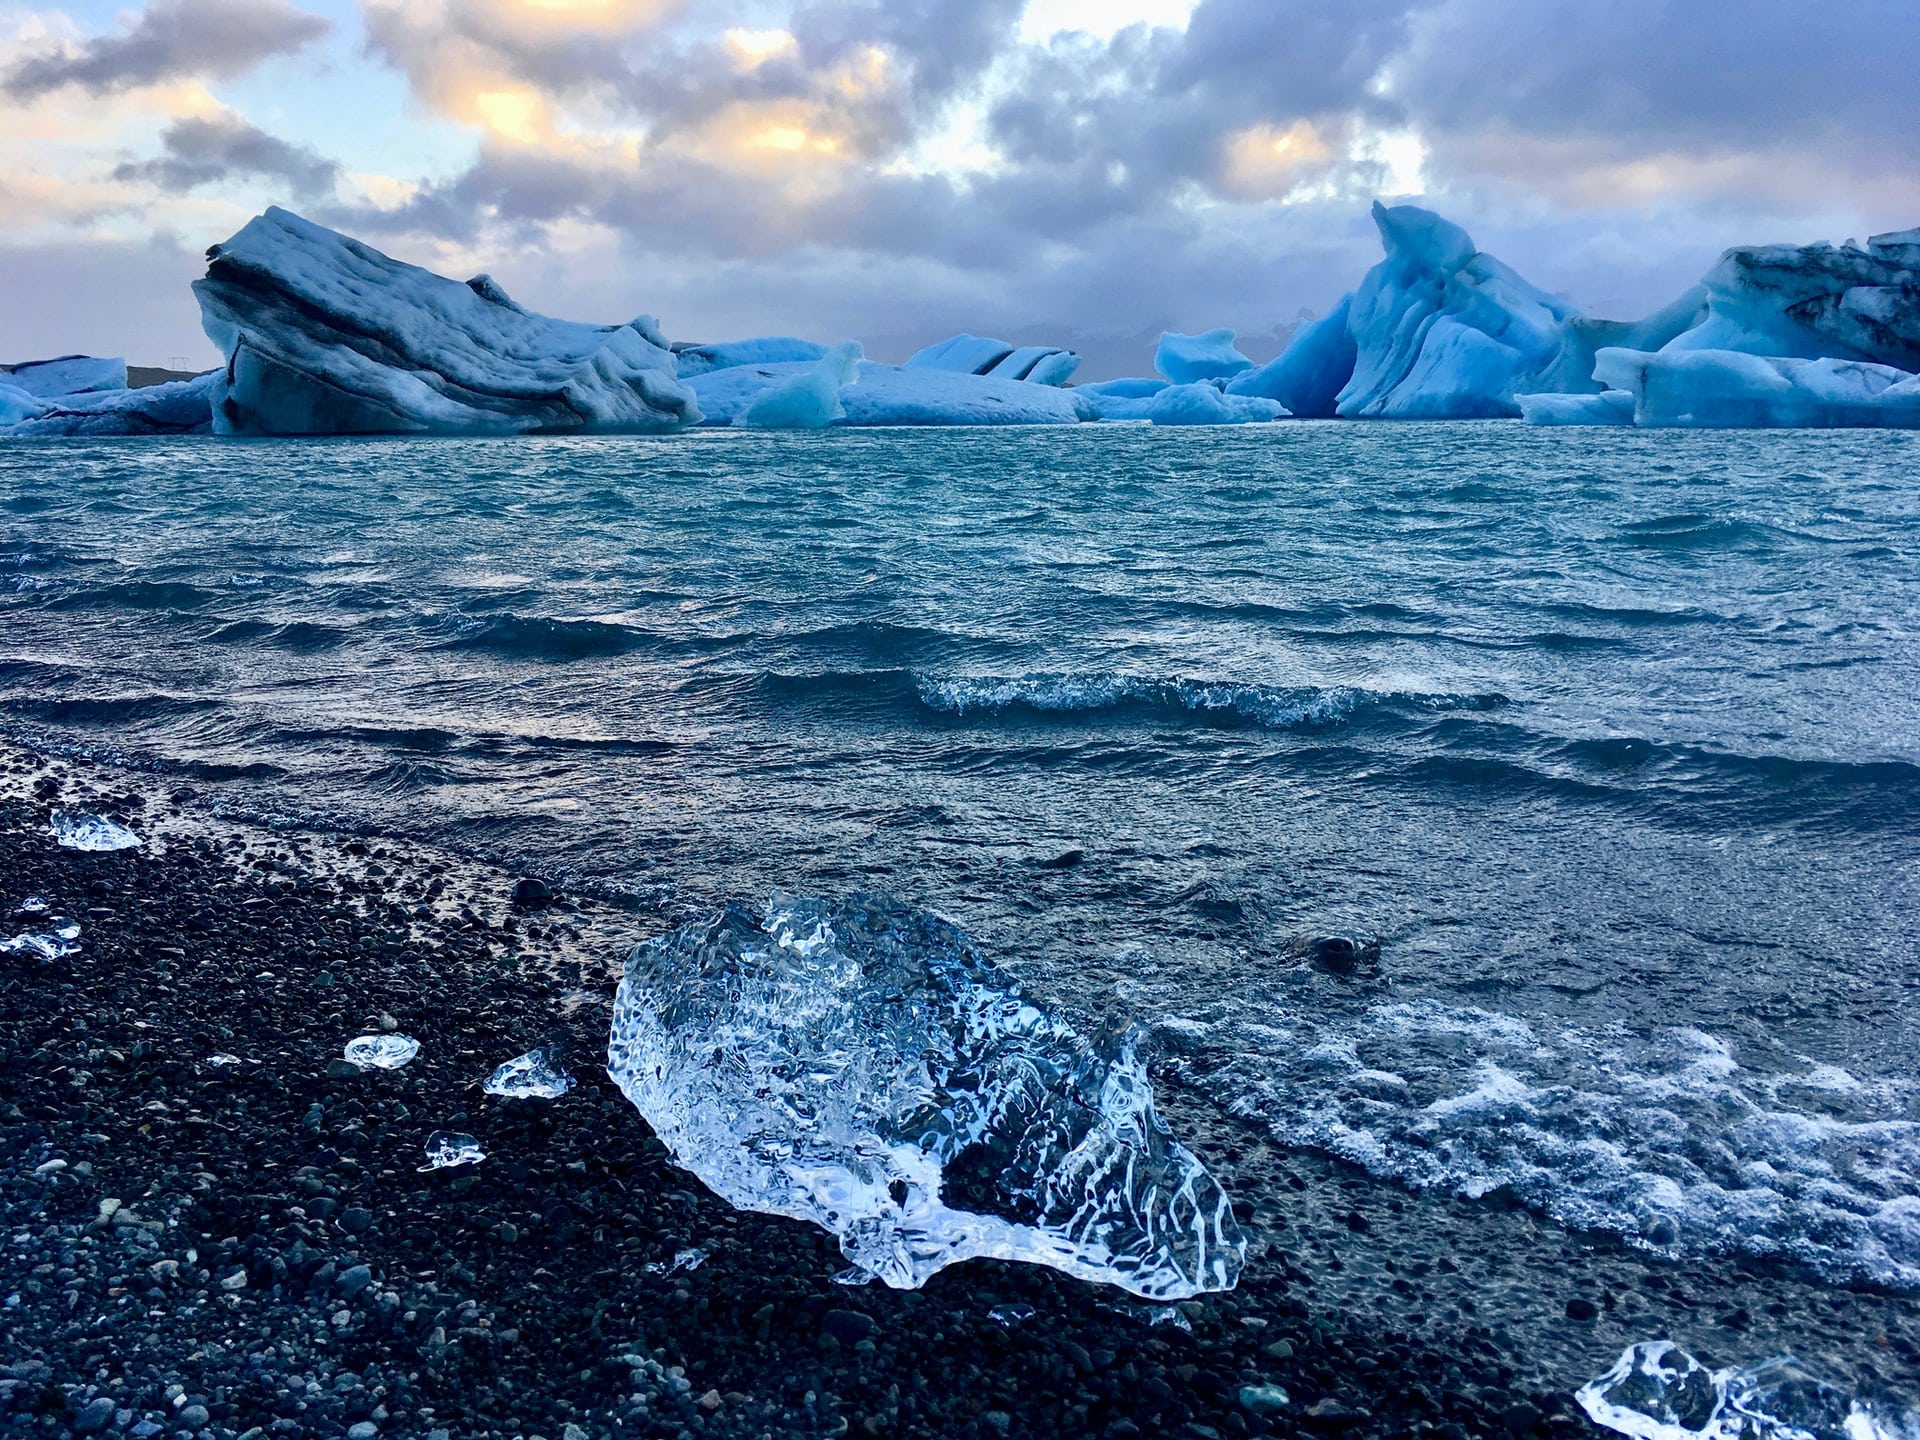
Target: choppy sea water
[1608,737]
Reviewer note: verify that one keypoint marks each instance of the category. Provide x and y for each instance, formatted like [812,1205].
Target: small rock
[710,1401]
[354,1279]
[1281,1349]
[1521,1419]
[531,894]
[365,1430]
[572,1431]
[94,1416]
[846,1326]
[356,1221]
[237,1280]
[193,1417]
[1581,1308]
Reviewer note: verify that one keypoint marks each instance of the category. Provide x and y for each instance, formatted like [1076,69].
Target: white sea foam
[1672,1139]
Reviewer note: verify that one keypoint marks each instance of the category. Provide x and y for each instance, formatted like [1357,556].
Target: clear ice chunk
[381,1052]
[32,905]
[48,945]
[864,1066]
[1016,1312]
[532,1076]
[1659,1392]
[447,1149]
[77,830]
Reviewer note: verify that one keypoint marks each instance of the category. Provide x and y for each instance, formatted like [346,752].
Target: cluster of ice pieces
[322,334]
[1659,1392]
[76,830]
[864,1066]
[52,939]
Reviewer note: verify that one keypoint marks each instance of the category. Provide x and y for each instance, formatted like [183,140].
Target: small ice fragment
[381,1052]
[1152,1315]
[1656,1392]
[53,946]
[1017,1312]
[67,930]
[692,1258]
[221,1060]
[854,1276]
[447,1149]
[78,831]
[32,905]
[1659,1392]
[532,1076]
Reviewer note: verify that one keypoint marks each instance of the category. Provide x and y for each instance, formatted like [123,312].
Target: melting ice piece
[78,831]
[447,1149]
[532,1076]
[48,945]
[863,1066]
[32,905]
[381,1052]
[1016,1312]
[221,1060]
[1659,1392]
[692,1258]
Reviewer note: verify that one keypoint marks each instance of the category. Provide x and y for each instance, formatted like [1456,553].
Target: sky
[1079,172]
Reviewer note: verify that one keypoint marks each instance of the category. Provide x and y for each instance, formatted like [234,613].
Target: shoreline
[260,1203]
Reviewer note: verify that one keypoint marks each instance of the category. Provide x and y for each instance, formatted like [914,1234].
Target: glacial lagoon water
[1609,739]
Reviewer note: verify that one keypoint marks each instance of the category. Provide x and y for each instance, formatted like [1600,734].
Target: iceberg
[896,395]
[1308,375]
[1443,330]
[66,375]
[17,405]
[179,407]
[1657,1391]
[1201,404]
[691,360]
[1722,388]
[1811,302]
[324,335]
[863,1066]
[807,401]
[1191,359]
[981,355]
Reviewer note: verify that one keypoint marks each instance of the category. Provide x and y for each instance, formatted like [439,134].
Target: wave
[1668,1141]
[538,637]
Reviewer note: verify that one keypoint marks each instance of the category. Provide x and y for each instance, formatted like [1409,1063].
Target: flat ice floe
[896,395]
[864,1066]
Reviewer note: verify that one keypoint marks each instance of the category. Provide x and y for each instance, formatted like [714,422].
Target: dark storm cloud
[205,150]
[171,40]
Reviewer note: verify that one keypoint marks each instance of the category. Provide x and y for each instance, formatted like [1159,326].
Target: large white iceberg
[807,401]
[65,375]
[865,1067]
[898,395]
[179,407]
[982,355]
[1307,377]
[1192,359]
[1727,388]
[325,335]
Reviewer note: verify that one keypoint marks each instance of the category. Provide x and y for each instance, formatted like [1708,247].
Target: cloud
[171,40]
[204,150]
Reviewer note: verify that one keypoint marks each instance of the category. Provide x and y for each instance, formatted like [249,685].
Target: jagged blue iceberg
[864,1066]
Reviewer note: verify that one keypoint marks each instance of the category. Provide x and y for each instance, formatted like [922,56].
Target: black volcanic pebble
[847,1326]
[531,894]
[1581,1308]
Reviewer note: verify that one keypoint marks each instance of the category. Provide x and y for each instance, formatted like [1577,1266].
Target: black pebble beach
[251,1249]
